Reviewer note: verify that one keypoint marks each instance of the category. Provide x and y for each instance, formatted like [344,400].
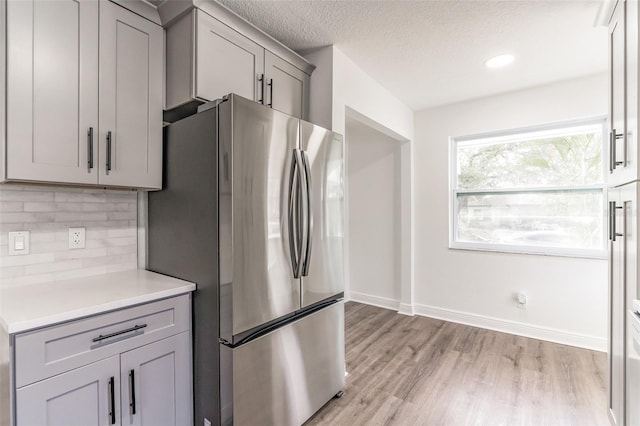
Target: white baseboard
[381,302]
[514,327]
[406,309]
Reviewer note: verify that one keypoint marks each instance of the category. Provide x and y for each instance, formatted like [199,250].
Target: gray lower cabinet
[157,382]
[127,367]
[83,397]
[84,86]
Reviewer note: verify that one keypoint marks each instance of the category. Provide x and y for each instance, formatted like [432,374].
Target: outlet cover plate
[76,238]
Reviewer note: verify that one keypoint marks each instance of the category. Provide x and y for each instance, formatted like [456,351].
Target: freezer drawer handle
[309,223]
[118,333]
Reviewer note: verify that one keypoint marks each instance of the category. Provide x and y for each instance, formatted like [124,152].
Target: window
[535,190]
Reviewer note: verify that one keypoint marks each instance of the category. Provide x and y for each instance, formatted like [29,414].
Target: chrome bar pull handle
[612,221]
[118,333]
[270,84]
[112,401]
[108,165]
[309,221]
[613,137]
[261,81]
[293,246]
[132,393]
[90,149]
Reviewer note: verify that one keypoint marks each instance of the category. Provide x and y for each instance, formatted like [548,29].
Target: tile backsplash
[47,212]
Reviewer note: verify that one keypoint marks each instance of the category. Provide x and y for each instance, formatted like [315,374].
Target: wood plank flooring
[422,371]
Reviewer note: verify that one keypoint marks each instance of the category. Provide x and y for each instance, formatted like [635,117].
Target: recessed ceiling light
[499,61]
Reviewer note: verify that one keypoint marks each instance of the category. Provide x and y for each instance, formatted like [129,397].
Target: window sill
[530,250]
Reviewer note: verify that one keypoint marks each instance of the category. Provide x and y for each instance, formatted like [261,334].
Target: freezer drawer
[283,377]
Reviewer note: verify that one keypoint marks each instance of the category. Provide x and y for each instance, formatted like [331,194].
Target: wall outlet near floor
[521,300]
[76,238]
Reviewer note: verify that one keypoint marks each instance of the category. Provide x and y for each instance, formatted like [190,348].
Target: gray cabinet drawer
[53,350]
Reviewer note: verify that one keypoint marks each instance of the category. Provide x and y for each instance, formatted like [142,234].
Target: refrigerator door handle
[309,219]
[295,240]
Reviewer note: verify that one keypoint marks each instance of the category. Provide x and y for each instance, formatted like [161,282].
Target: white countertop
[34,306]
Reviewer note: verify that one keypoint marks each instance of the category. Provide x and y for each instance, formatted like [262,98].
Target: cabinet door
[618,208]
[85,396]
[156,383]
[131,52]
[287,86]
[226,61]
[617,103]
[52,90]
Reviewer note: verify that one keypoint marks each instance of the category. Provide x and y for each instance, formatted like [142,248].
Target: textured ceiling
[430,53]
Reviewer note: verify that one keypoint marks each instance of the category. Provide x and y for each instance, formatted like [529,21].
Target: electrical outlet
[521,300]
[76,238]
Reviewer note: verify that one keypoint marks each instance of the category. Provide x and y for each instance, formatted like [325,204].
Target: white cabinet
[620,206]
[128,367]
[208,59]
[85,396]
[84,94]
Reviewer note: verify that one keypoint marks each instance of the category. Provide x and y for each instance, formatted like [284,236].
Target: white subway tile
[25,196]
[82,216]
[29,259]
[122,267]
[24,217]
[121,232]
[52,207]
[48,247]
[81,253]
[44,268]
[11,206]
[81,197]
[12,272]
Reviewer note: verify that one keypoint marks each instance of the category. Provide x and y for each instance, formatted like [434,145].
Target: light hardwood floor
[422,371]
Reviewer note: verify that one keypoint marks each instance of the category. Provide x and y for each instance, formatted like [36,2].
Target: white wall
[374,215]
[354,95]
[567,296]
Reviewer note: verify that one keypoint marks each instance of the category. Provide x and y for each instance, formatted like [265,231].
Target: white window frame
[526,249]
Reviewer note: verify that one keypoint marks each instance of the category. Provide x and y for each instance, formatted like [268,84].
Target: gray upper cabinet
[288,86]
[131,53]
[77,70]
[208,58]
[52,90]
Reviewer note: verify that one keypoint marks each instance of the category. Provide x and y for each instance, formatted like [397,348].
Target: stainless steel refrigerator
[252,211]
